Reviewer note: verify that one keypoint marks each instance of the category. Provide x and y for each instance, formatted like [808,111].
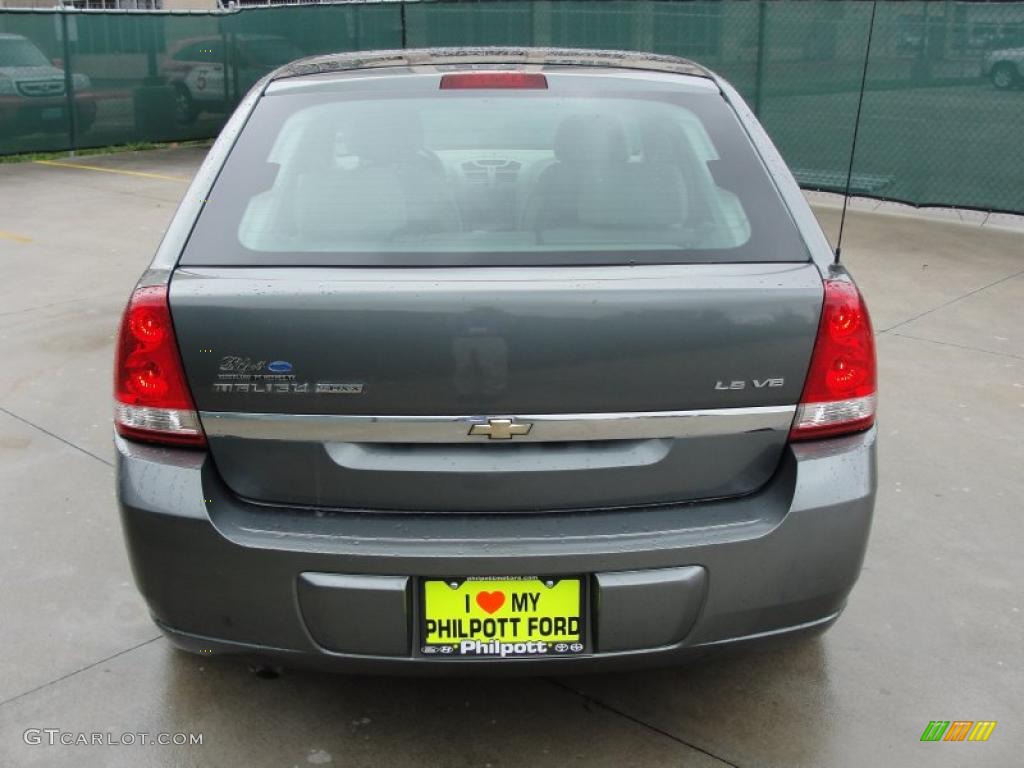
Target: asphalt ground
[933,630]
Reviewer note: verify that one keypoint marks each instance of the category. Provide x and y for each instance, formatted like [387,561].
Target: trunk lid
[358,388]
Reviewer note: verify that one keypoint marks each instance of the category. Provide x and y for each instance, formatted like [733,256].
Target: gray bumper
[274,584]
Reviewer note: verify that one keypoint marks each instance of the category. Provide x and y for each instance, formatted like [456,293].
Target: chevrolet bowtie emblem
[500,429]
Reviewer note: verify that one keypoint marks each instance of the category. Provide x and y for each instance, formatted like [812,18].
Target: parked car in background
[489,359]
[32,90]
[195,67]
[1005,67]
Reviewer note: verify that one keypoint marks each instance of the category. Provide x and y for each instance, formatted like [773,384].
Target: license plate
[502,617]
[53,113]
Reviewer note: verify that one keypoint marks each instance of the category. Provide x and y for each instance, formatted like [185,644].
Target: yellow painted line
[143,174]
[15,237]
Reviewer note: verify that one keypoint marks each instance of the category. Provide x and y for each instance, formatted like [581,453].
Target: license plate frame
[569,598]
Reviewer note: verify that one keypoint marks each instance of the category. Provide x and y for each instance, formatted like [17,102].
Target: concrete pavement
[934,629]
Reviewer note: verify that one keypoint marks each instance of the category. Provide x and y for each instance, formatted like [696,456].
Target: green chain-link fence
[942,120]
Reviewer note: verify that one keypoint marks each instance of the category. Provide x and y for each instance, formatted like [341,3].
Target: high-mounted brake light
[499,80]
[151,398]
[839,394]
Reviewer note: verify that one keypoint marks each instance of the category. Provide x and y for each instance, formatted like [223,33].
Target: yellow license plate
[502,617]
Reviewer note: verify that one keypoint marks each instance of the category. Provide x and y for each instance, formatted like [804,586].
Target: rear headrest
[634,196]
[361,204]
[590,140]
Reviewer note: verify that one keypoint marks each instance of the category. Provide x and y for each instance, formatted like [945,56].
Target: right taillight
[152,401]
[839,395]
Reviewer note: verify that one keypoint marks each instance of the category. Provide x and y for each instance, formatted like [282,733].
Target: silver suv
[468,359]
[32,90]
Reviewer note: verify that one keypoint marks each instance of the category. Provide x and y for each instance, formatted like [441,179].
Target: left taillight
[151,397]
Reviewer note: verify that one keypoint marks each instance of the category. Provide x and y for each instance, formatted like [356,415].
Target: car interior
[592,180]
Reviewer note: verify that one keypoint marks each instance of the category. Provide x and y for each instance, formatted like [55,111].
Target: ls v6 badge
[755,383]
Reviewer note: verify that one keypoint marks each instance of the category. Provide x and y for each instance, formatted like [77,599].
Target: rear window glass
[19,52]
[570,175]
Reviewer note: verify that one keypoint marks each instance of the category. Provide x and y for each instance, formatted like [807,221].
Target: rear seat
[594,185]
[398,190]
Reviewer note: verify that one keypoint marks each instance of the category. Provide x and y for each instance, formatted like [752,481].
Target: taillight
[839,395]
[151,398]
[499,80]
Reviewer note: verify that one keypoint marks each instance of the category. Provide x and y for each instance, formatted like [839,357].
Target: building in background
[123,5]
[120,5]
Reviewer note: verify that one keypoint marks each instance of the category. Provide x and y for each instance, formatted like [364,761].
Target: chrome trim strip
[548,427]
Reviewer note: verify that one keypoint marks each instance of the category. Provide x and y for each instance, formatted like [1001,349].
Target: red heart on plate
[490,601]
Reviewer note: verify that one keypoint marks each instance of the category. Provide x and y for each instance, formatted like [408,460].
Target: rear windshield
[575,174]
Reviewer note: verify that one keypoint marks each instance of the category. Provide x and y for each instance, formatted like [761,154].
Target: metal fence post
[69,83]
[402,15]
[762,7]
[357,29]
[236,94]
[224,63]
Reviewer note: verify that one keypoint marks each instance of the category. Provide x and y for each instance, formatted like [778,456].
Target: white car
[1005,68]
[195,67]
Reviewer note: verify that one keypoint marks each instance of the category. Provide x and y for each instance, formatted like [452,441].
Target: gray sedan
[481,360]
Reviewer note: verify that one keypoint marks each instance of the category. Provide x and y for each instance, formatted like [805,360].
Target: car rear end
[501,360]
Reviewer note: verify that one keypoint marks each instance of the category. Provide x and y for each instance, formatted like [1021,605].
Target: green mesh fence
[942,120]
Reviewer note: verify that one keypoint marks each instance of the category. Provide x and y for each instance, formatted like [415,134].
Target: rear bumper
[225,576]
